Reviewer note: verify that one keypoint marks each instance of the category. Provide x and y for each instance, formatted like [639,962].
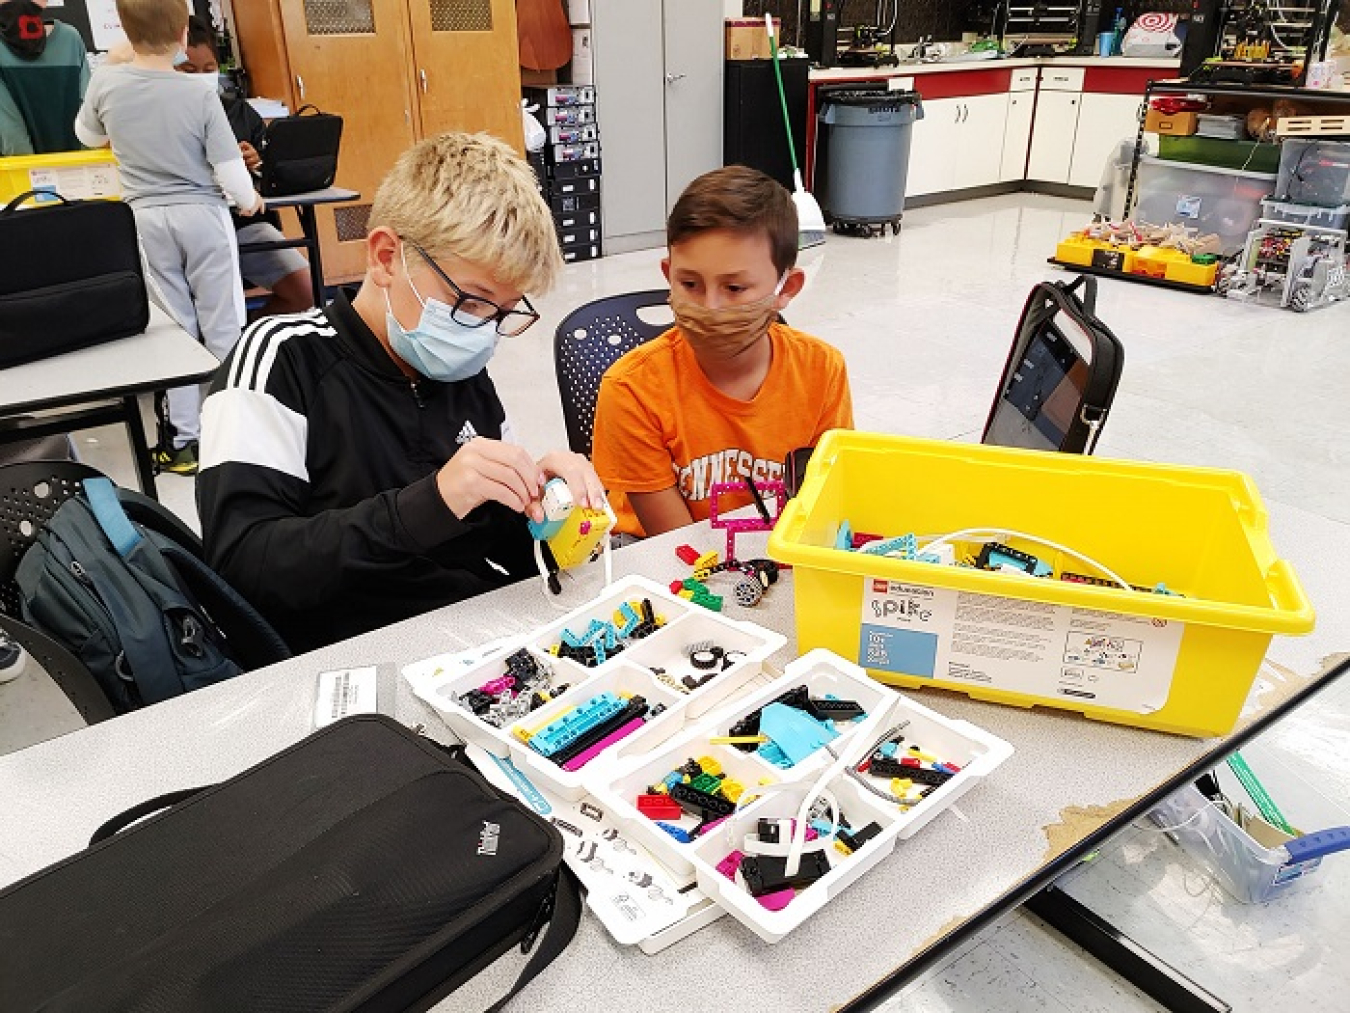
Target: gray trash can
[862,157]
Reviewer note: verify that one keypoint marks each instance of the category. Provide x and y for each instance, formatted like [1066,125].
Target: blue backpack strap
[102,496]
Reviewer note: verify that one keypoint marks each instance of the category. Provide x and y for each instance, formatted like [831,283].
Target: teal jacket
[40,93]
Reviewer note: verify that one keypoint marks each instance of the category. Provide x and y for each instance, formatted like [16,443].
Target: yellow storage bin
[1175,663]
[1080,250]
[1188,272]
[77,175]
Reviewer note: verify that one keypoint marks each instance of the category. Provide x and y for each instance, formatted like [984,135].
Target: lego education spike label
[1106,659]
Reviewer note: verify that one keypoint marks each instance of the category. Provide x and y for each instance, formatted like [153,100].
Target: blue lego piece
[545,529]
[679,833]
[793,731]
[571,639]
[1161,588]
[889,749]
[823,827]
[770,753]
[672,779]
[567,729]
[844,539]
[903,547]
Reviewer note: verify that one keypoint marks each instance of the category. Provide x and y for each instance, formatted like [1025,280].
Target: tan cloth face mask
[727,331]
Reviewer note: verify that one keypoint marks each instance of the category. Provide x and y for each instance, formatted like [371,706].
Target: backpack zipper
[109,629]
[416,393]
[540,920]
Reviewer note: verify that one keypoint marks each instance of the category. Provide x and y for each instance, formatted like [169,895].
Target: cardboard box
[747,39]
[583,66]
[1178,124]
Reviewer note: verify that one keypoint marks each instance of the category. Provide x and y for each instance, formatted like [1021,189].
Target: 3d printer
[1254,42]
[1039,28]
[874,45]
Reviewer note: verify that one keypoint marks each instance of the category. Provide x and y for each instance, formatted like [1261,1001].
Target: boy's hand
[258,206]
[486,470]
[579,474]
[252,160]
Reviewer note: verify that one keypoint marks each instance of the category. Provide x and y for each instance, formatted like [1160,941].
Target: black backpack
[1061,374]
[301,153]
[145,615]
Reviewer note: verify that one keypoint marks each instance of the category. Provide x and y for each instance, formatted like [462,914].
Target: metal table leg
[140,452]
[1138,966]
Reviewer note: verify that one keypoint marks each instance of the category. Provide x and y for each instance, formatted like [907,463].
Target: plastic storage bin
[76,175]
[1250,156]
[1225,202]
[627,673]
[1177,664]
[1314,172]
[1251,872]
[1307,214]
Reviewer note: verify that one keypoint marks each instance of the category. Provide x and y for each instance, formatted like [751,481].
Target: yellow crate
[1078,249]
[1173,663]
[1187,272]
[77,175]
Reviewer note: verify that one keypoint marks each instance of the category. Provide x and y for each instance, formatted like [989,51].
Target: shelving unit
[1338,102]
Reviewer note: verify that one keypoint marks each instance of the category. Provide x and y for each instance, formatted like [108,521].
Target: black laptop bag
[300,154]
[363,869]
[1061,375]
[70,277]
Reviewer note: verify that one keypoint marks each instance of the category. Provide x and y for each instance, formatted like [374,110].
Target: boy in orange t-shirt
[728,392]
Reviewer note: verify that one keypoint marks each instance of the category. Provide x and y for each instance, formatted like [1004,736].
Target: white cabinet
[1017,136]
[979,149]
[658,85]
[1103,121]
[1052,136]
[932,148]
[957,145]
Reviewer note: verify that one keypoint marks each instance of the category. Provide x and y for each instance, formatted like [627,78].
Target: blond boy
[356,463]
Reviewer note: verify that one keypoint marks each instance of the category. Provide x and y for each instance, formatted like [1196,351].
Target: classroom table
[304,204]
[1070,784]
[99,385]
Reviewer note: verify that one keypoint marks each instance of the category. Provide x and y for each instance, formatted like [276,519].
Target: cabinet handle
[672,78]
[300,83]
[422,76]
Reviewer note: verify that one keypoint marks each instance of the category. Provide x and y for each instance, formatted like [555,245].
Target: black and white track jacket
[317,488]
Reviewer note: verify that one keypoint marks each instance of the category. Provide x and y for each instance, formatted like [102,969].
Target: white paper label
[1060,652]
[1188,207]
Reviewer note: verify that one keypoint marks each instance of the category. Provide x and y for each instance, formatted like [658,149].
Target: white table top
[1067,778]
[164,355]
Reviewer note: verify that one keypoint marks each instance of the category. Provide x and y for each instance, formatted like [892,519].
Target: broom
[810,220]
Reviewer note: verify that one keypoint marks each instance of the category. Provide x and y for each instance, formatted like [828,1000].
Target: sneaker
[179,460]
[12,658]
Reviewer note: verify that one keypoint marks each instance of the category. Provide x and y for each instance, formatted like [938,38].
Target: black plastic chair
[30,493]
[588,341]
[66,670]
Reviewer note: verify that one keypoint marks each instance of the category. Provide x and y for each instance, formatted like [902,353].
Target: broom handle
[782,93]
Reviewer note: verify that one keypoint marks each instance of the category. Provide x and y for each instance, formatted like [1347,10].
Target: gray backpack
[147,617]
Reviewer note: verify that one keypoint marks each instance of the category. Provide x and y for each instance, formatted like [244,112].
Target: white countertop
[908,69]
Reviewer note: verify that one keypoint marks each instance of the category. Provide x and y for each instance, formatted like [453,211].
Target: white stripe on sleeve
[249,427]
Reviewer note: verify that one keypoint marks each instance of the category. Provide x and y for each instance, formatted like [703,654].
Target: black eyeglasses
[474,311]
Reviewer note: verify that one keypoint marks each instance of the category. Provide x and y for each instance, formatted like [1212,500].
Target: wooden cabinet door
[466,67]
[352,59]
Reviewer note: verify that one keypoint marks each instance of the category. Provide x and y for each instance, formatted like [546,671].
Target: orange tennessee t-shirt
[659,421]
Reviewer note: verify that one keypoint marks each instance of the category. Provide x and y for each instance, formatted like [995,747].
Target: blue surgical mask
[439,347]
